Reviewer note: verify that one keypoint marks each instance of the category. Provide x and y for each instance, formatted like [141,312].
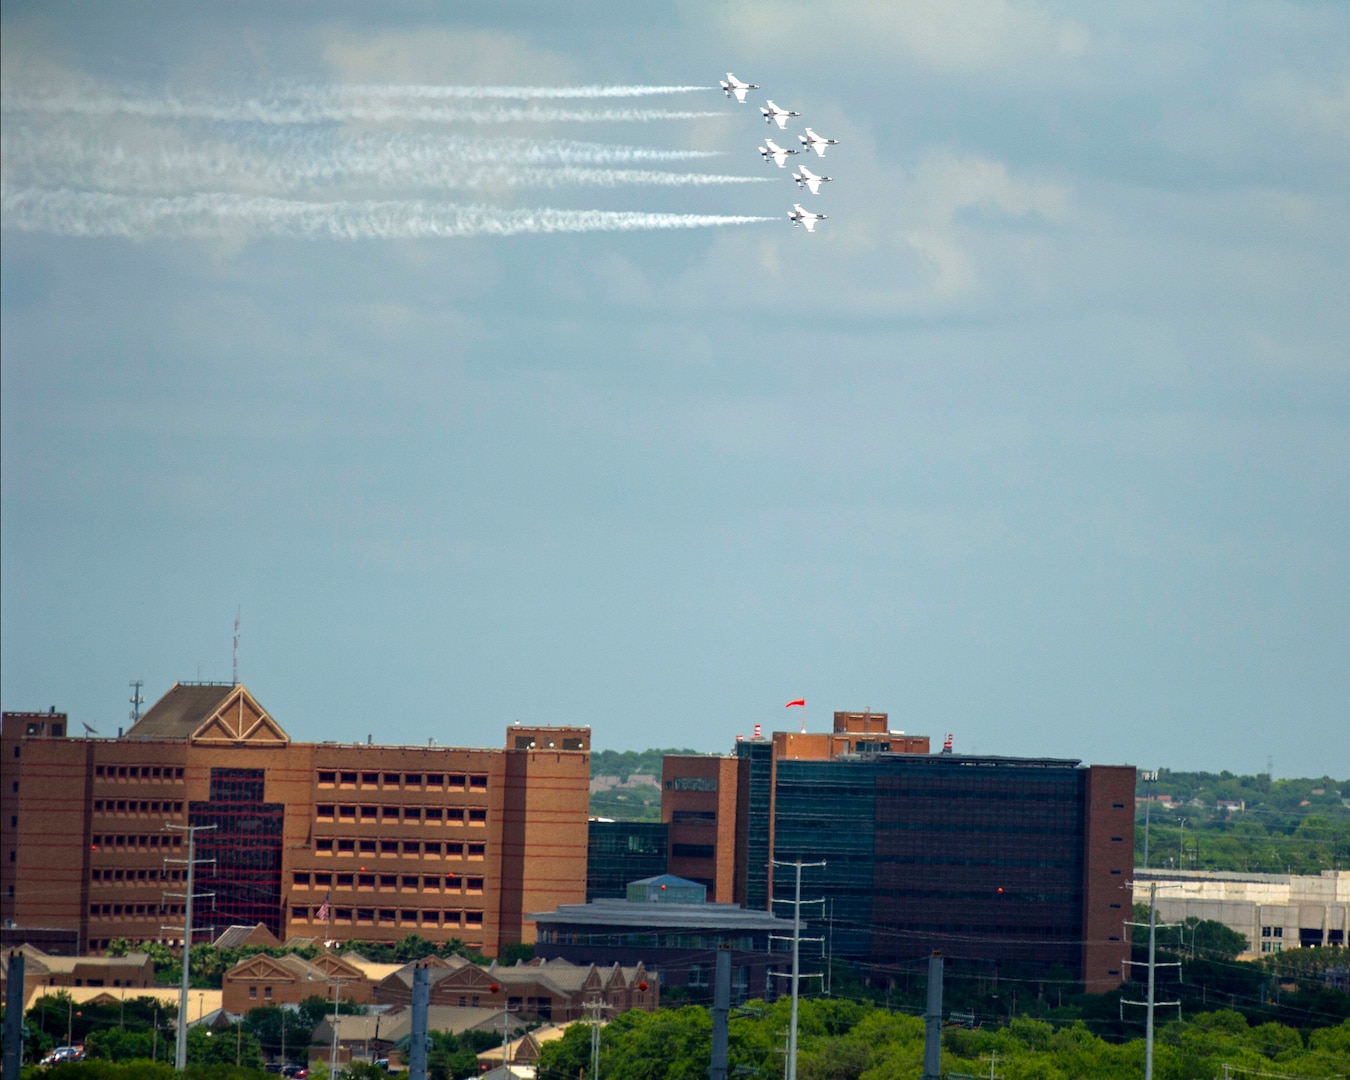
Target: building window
[477,851]
[477,817]
[327,779]
[267,993]
[478,783]
[412,780]
[253,991]
[473,918]
[369,779]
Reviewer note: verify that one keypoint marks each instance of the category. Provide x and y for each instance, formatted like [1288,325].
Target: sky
[489,405]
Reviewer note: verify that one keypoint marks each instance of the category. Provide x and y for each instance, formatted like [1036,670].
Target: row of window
[109,874]
[431,815]
[327,845]
[139,772]
[390,916]
[418,781]
[152,841]
[428,882]
[133,806]
[121,911]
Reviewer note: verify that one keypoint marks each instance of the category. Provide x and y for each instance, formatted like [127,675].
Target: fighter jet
[771,149]
[799,216]
[807,179]
[732,85]
[774,115]
[812,141]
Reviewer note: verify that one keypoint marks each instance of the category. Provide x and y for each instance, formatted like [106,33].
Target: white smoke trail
[395,90]
[338,105]
[39,157]
[98,214]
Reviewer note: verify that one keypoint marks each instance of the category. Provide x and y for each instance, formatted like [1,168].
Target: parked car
[297,1072]
[62,1054]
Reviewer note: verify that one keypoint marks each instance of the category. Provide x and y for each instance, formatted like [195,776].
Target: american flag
[323,910]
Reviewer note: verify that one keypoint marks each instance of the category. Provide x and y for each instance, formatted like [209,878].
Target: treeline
[1299,826]
[847,1040]
[624,763]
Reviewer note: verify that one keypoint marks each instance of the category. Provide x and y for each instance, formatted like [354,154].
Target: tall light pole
[180,1048]
[796,960]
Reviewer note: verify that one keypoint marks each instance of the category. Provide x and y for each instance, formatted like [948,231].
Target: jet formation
[771,151]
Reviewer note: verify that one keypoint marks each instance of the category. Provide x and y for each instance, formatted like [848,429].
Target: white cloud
[944,35]
[459,56]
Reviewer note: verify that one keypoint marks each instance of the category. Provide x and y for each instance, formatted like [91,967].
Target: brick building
[367,841]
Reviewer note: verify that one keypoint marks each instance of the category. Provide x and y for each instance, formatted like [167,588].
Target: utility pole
[13,1046]
[796,960]
[180,1046]
[1152,966]
[421,998]
[932,1020]
[596,1006]
[721,1012]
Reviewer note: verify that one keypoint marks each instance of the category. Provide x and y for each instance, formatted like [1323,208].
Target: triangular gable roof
[271,968]
[469,977]
[240,719]
[331,966]
[234,936]
[213,713]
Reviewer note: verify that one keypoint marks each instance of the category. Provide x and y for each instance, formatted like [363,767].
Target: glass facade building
[241,856]
[618,852]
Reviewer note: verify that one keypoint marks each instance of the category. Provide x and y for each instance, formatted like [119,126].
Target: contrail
[204,216]
[371,104]
[36,157]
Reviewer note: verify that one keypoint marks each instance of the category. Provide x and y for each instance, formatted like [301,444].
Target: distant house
[552,991]
[68,972]
[288,980]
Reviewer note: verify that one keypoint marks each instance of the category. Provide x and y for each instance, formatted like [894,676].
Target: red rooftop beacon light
[495,987]
[642,986]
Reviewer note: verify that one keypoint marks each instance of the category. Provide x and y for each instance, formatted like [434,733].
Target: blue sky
[1040,439]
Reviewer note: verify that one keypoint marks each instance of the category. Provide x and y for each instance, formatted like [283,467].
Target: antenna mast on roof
[136,700]
[235,678]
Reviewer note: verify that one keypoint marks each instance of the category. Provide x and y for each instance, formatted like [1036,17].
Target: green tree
[224,1047]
